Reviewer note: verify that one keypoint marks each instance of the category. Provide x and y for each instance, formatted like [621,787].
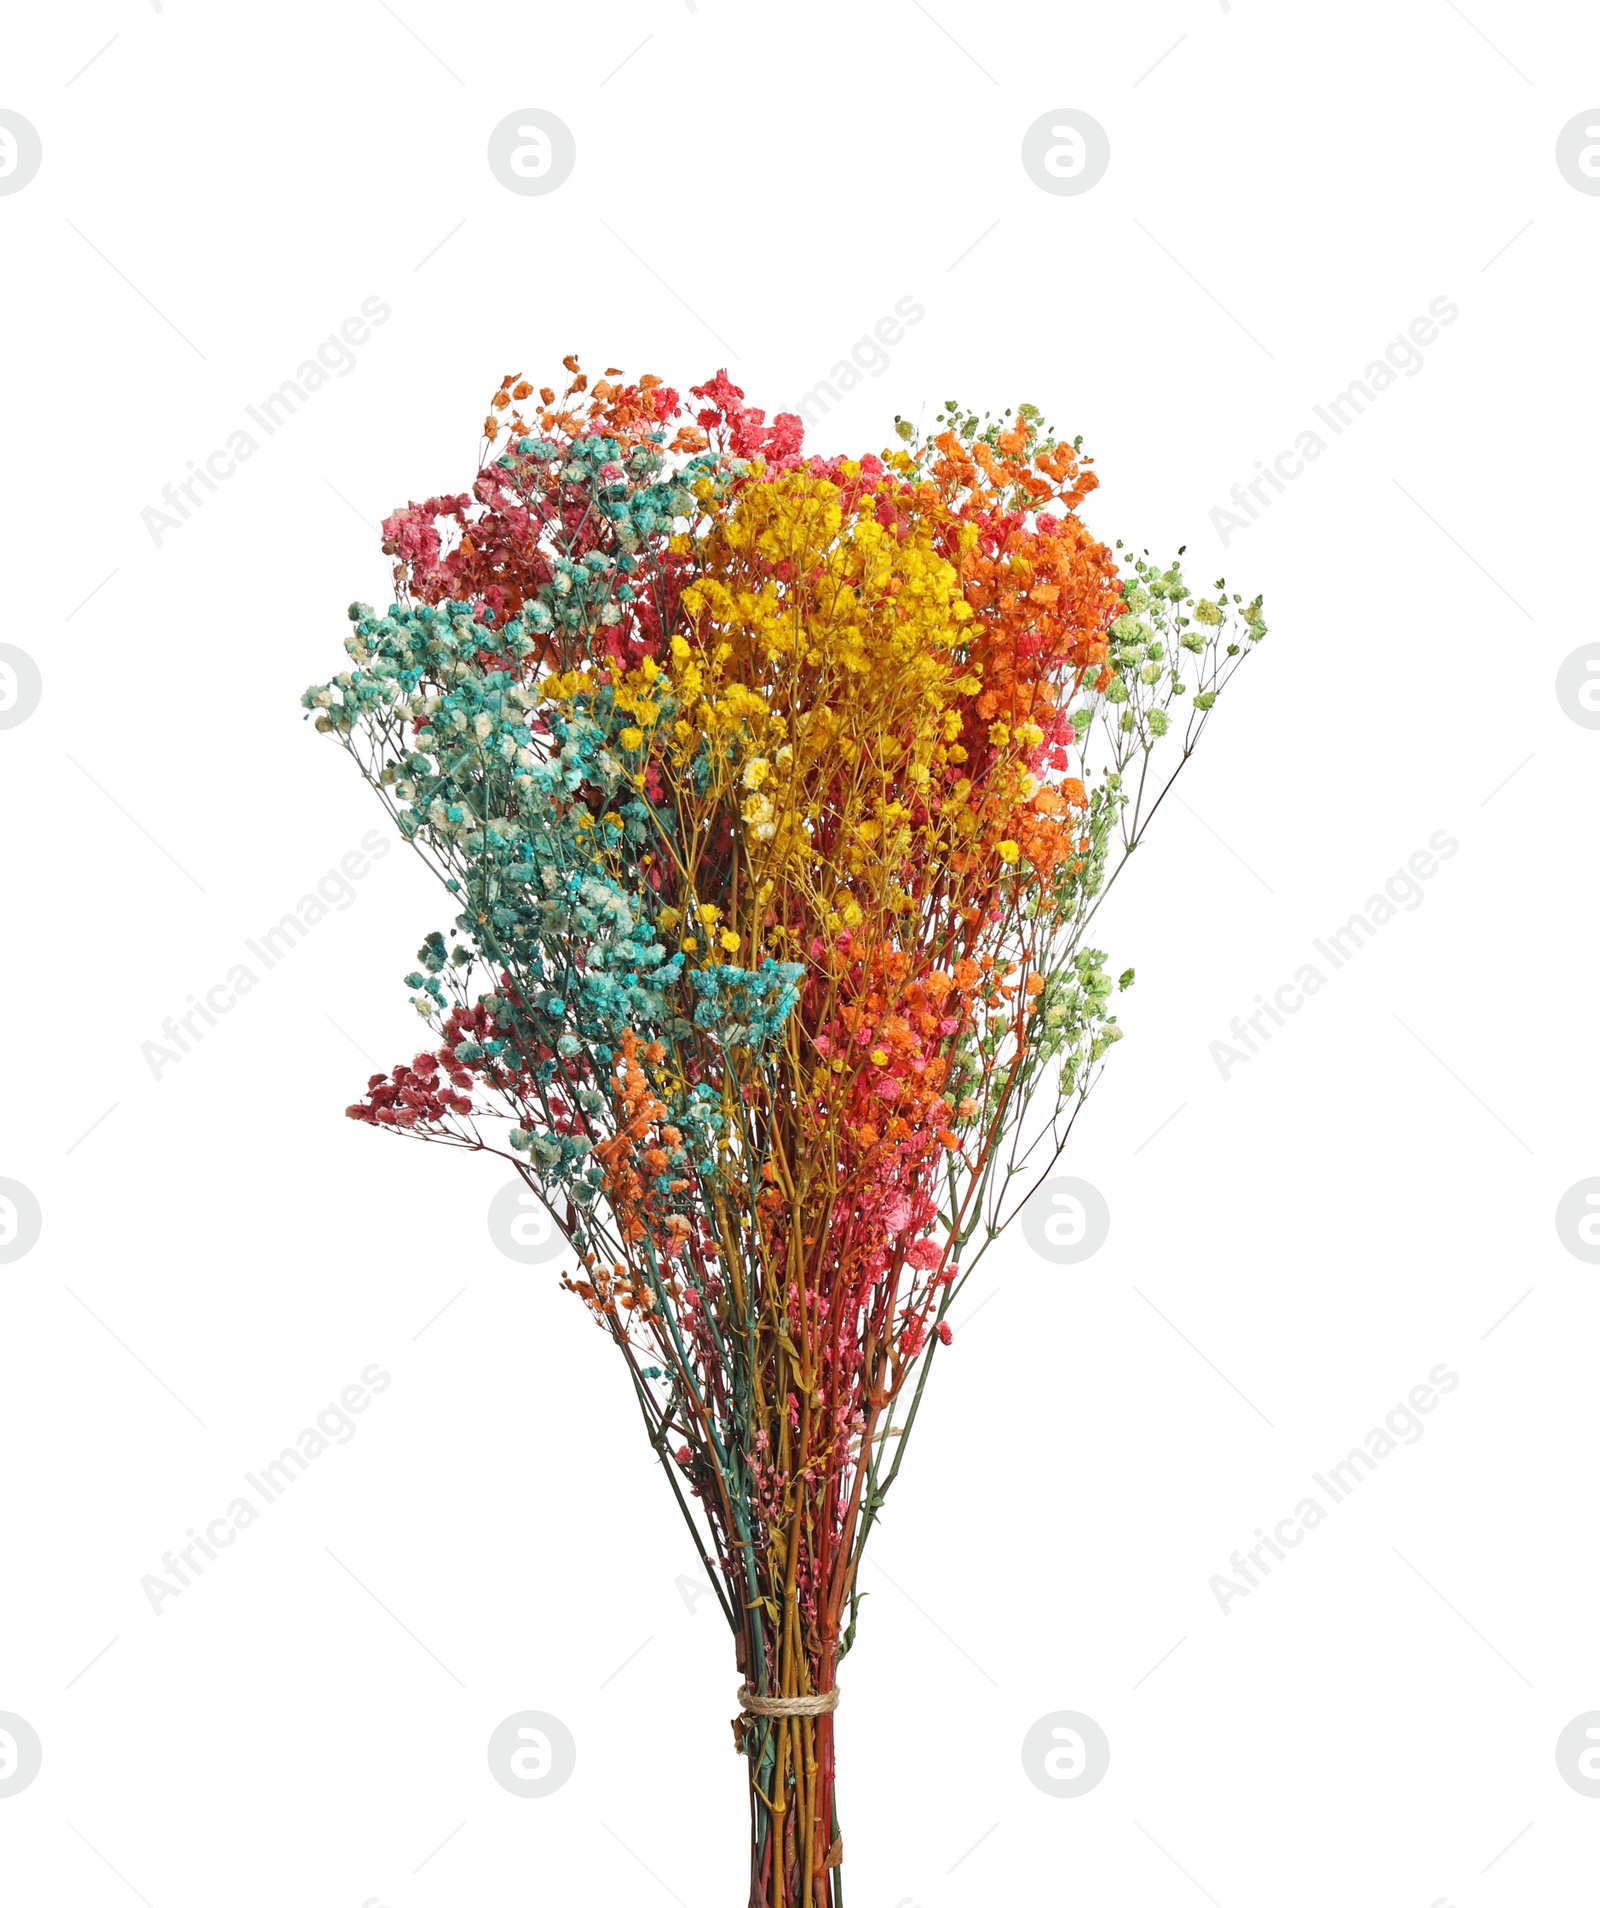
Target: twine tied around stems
[820,1705]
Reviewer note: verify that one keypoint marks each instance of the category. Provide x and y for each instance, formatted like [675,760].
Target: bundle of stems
[775,796]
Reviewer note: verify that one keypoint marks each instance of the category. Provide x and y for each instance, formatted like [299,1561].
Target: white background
[222,1252]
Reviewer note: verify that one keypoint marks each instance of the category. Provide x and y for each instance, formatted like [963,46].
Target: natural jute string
[822,1705]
